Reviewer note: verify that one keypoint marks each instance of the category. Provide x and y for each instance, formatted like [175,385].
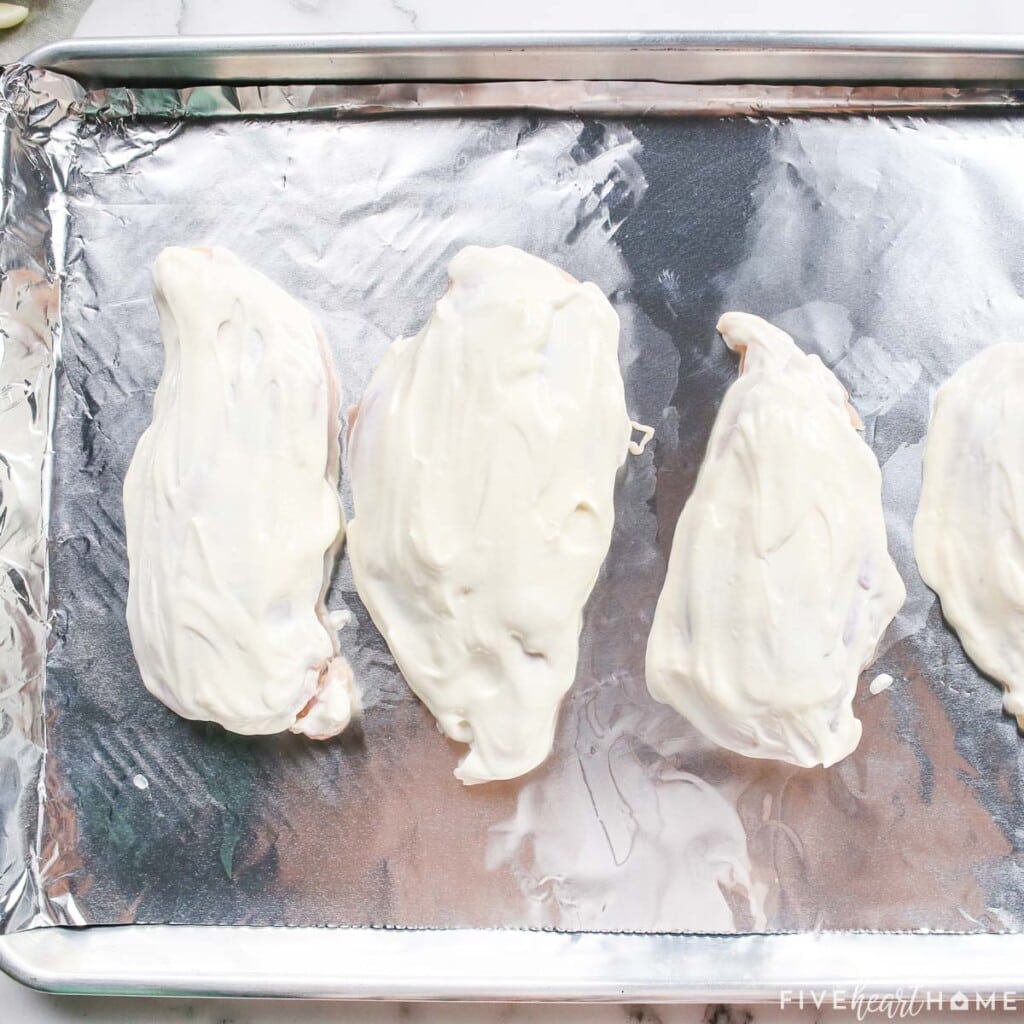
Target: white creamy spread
[483,458]
[880,683]
[969,529]
[231,510]
[779,583]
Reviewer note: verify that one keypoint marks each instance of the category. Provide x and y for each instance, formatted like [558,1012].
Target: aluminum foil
[887,244]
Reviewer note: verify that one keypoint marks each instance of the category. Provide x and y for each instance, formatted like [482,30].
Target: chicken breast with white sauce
[231,511]
[969,529]
[779,583]
[483,459]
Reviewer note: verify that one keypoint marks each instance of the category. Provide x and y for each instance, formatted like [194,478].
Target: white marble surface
[125,17]
[148,17]
[23,1007]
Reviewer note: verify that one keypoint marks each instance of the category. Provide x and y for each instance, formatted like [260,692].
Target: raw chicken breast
[969,530]
[779,583]
[231,510]
[483,459]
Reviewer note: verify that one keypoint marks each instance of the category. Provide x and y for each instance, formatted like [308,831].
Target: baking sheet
[886,244]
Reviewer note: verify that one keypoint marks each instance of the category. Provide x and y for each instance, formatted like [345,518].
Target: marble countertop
[25,1007]
[50,20]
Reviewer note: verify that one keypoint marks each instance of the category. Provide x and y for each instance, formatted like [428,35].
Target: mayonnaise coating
[969,528]
[779,583]
[483,459]
[231,511]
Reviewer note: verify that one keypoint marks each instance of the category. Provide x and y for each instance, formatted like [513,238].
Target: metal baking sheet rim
[723,57]
[483,965]
[522,965]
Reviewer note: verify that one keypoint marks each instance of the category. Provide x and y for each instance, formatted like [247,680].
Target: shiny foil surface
[882,228]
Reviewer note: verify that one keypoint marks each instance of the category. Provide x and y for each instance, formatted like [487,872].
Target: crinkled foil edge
[669,99]
[35,133]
